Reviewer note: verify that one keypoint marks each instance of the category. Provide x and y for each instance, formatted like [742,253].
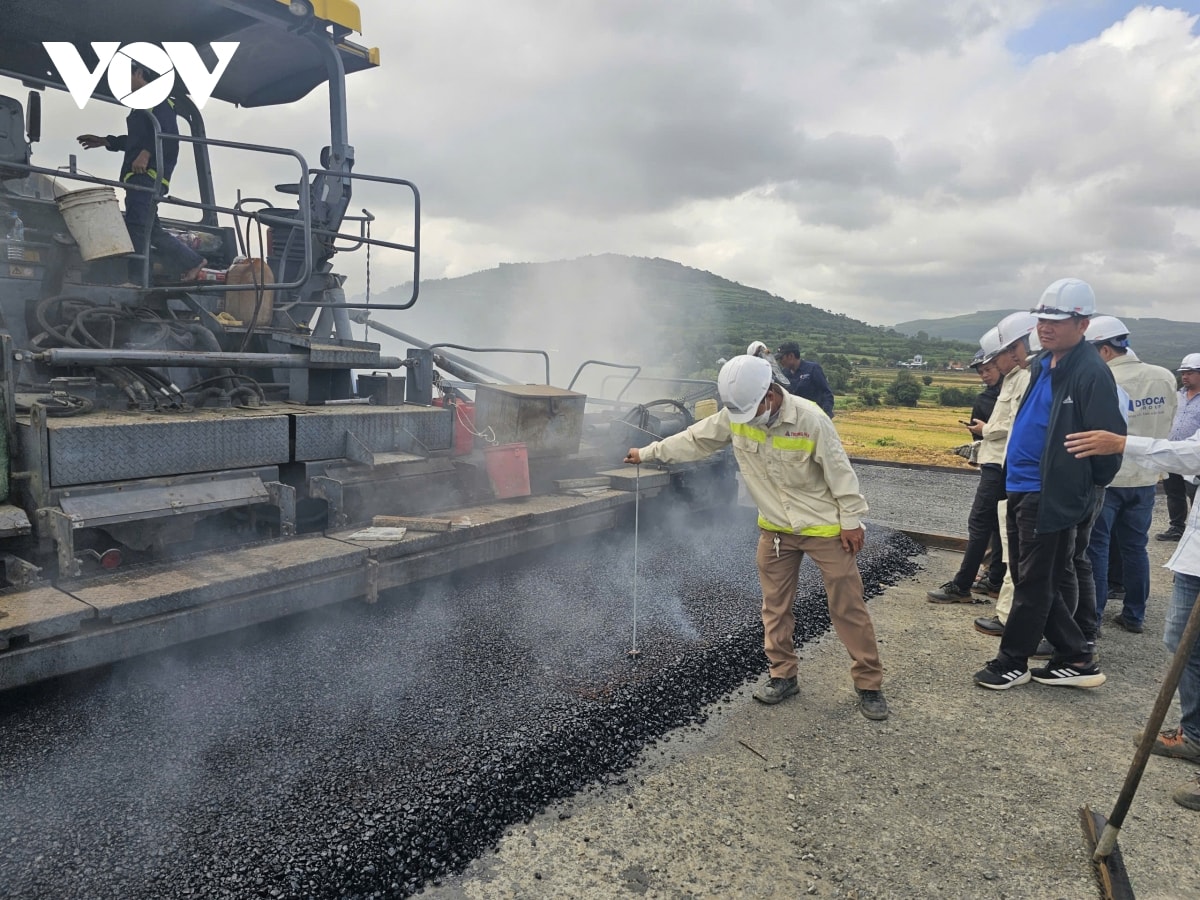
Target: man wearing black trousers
[1051,496]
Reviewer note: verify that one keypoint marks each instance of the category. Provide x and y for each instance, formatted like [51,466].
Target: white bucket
[94,220]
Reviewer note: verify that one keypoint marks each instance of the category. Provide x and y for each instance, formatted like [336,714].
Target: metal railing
[542,353]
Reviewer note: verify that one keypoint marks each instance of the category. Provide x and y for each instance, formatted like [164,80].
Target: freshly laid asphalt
[366,751]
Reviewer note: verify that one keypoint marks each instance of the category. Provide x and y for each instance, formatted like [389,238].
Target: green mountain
[1158,341]
[668,317]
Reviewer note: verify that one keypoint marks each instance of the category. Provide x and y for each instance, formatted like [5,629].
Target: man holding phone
[983,523]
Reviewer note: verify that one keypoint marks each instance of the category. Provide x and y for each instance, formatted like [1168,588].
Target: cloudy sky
[888,159]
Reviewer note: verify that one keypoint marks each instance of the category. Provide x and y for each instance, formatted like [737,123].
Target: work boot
[1128,624]
[1188,796]
[987,588]
[1174,743]
[872,704]
[952,593]
[1171,534]
[990,625]
[777,689]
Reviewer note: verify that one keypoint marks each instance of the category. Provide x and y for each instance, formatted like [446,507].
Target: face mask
[766,420]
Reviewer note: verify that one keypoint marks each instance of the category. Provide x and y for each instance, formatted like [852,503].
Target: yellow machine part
[339,12]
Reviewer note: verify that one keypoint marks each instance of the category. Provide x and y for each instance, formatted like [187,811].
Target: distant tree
[953,396]
[838,370]
[904,390]
[868,396]
[927,380]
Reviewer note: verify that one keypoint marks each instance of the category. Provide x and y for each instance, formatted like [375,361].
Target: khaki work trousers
[779,572]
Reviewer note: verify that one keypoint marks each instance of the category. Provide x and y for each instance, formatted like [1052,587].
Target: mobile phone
[963,422]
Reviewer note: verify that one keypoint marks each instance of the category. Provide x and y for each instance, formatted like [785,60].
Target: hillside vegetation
[646,311]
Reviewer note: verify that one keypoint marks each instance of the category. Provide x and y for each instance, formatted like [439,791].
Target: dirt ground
[962,793]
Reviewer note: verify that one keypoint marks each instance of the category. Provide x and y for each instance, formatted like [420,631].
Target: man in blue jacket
[140,168]
[805,379]
[1051,495]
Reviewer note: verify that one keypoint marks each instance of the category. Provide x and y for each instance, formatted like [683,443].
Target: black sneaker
[777,689]
[952,593]
[1074,675]
[1171,534]
[990,625]
[997,676]
[872,705]
[987,588]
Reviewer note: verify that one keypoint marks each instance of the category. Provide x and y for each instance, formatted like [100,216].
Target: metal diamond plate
[112,449]
[322,435]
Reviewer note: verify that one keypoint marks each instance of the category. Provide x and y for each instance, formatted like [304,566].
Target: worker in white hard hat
[809,502]
[1015,336]
[1051,495]
[1129,498]
[983,524]
[759,349]
[1181,491]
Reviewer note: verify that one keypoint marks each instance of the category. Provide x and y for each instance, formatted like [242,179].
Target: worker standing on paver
[809,502]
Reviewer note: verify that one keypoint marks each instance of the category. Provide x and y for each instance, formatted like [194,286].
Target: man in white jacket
[809,502]
[1129,498]
[1182,457]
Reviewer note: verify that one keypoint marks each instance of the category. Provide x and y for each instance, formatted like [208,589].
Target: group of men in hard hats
[1055,440]
[1147,442]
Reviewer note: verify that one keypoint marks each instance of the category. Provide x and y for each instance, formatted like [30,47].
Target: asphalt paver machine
[184,459]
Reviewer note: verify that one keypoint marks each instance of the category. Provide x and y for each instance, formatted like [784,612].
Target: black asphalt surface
[362,751]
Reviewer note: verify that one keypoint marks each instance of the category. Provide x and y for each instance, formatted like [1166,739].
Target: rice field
[925,434]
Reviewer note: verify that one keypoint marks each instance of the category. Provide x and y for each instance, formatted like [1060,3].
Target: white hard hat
[1013,327]
[1191,363]
[1109,329]
[1065,298]
[743,383]
[756,348]
[989,345]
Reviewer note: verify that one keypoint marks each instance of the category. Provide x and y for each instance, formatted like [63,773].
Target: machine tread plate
[216,576]
[144,501]
[39,613]
[13,521]
[321,432]
[124,446]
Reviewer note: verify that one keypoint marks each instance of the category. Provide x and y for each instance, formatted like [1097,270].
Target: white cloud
[887,160]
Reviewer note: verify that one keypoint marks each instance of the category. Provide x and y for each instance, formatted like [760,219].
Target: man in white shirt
[1182,457]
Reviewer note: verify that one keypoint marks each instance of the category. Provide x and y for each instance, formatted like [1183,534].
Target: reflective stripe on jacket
[796,471]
